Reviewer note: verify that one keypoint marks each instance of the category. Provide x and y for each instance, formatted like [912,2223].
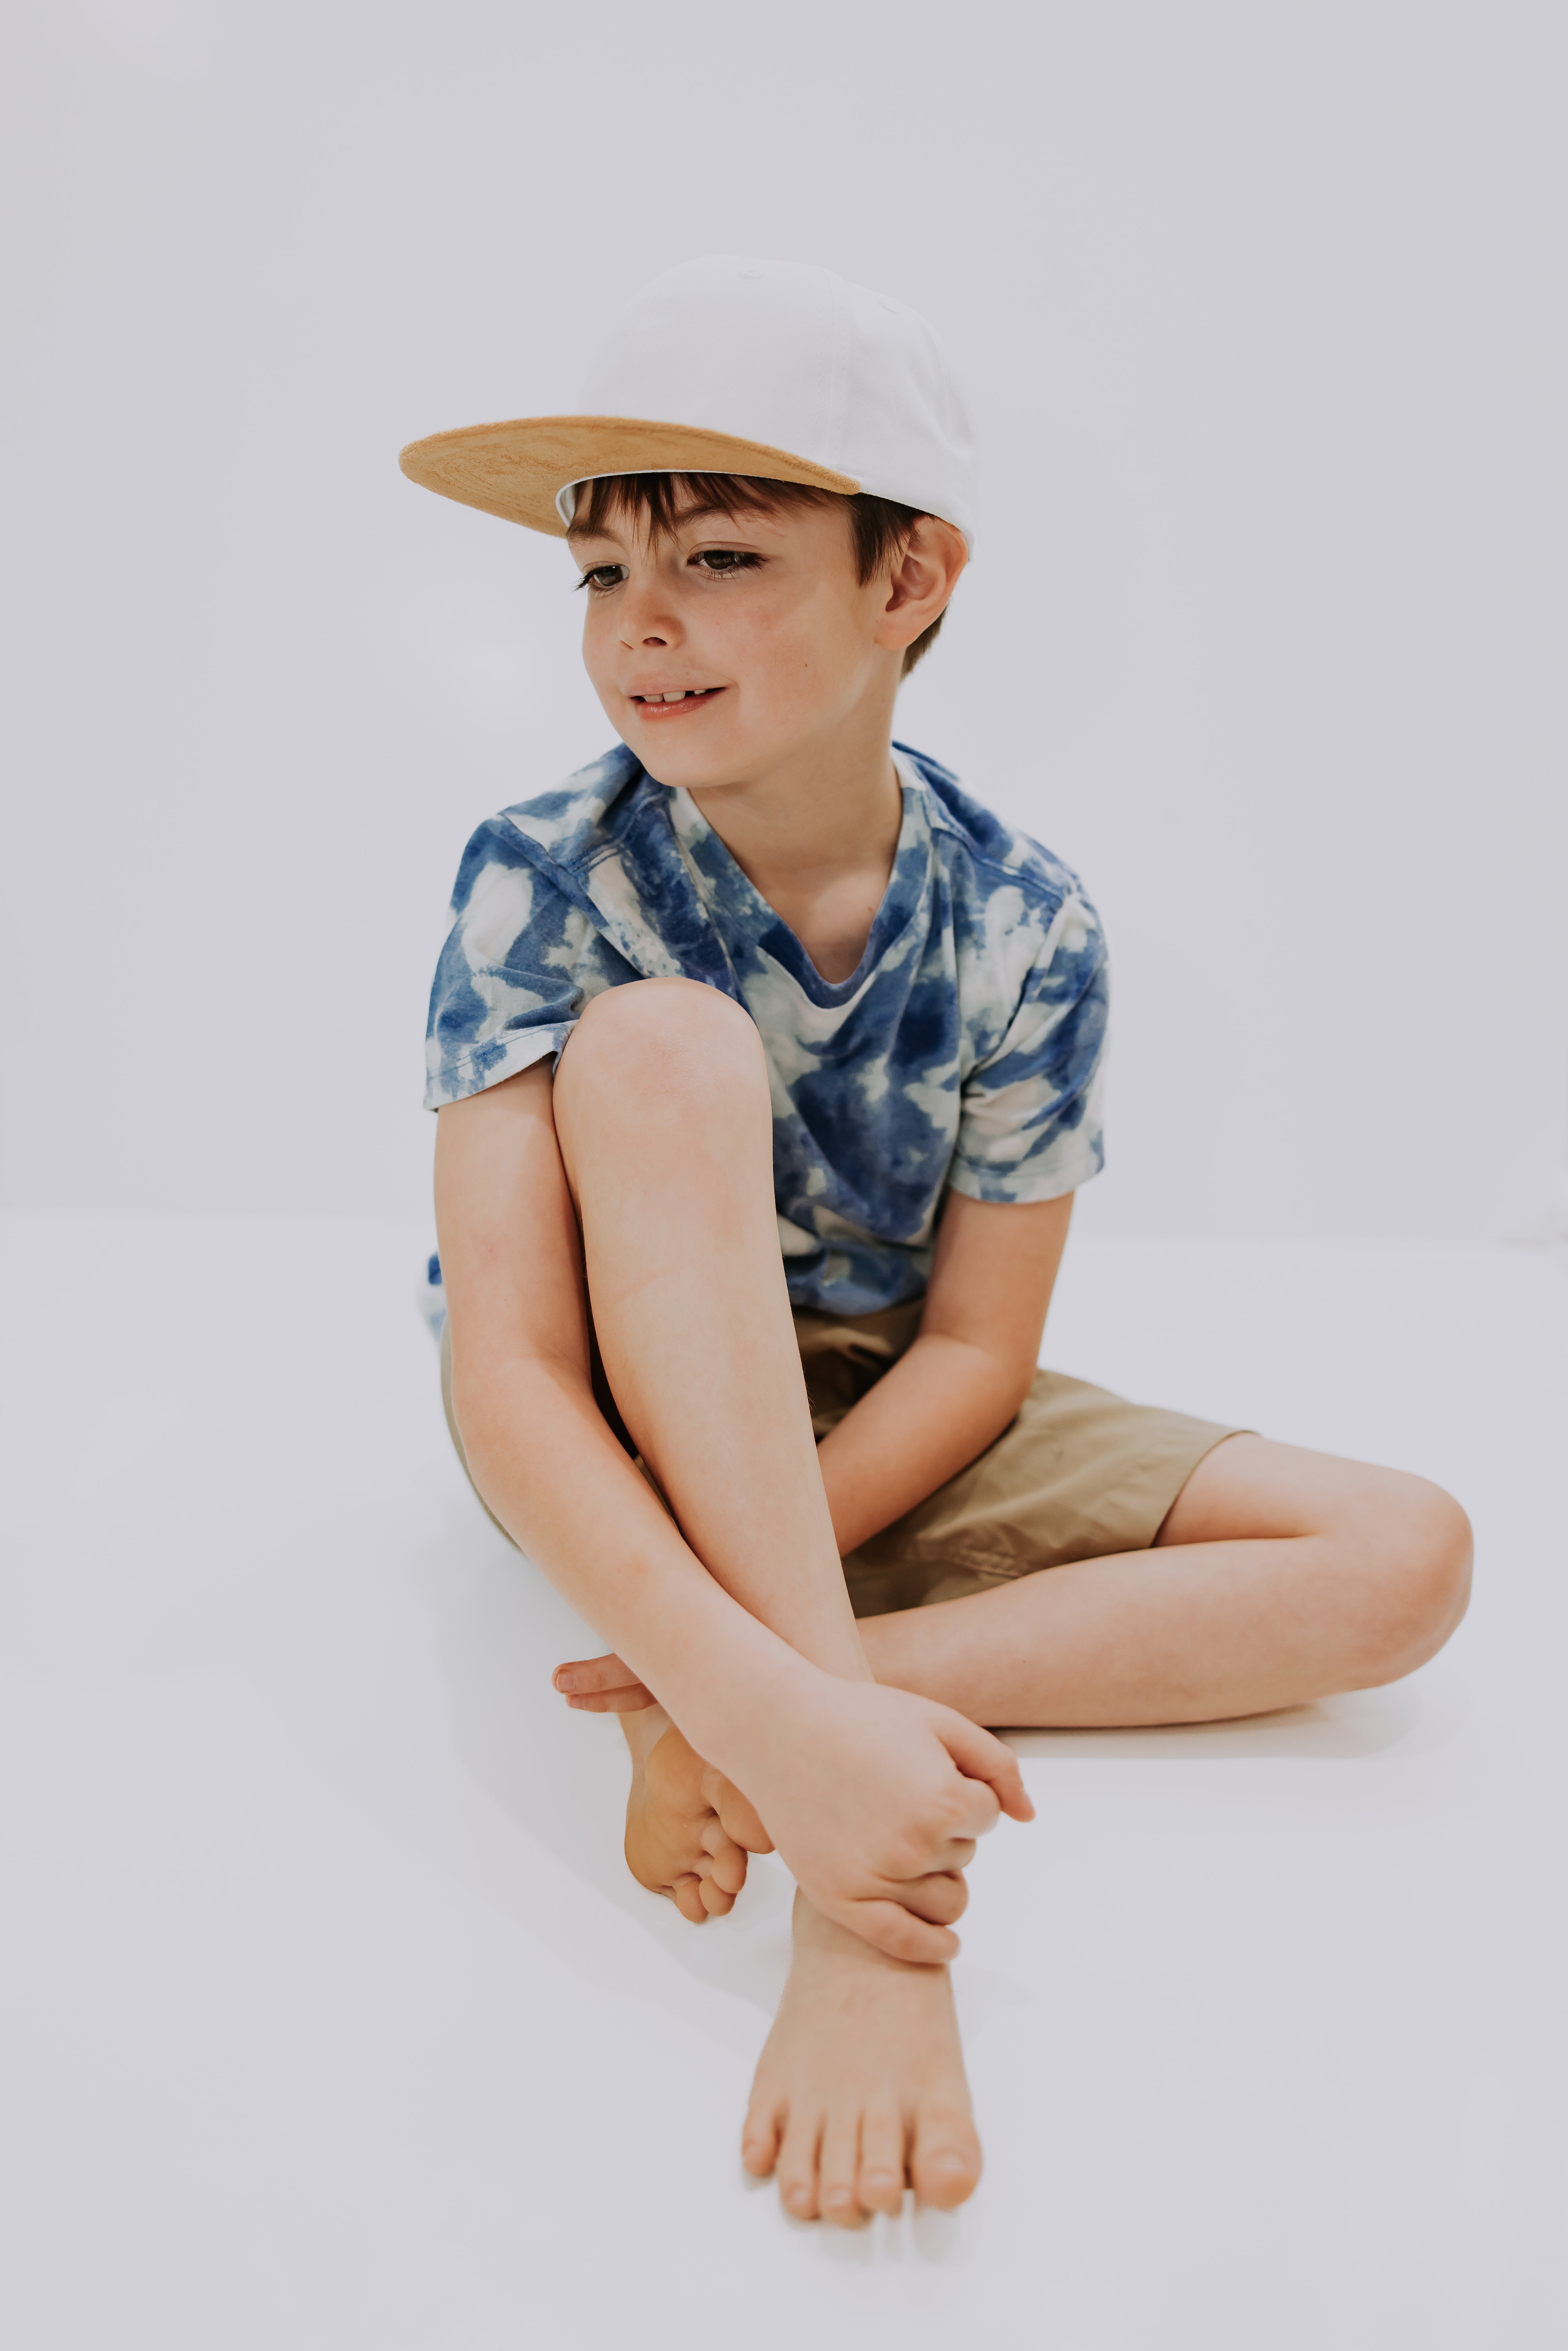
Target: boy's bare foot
[675,1842]
[861,2086]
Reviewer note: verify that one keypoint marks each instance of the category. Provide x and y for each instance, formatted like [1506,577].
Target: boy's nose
[640,630]
[645,618]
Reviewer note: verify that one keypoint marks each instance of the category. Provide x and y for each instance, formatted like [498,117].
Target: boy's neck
[819,848]
[827,814]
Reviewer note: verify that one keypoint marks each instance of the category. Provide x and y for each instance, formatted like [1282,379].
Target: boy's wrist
[739,1706]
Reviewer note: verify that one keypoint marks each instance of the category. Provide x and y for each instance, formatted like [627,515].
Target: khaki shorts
[1078,1475]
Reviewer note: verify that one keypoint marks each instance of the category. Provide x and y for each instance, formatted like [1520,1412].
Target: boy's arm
[775,1722]
[966,1374]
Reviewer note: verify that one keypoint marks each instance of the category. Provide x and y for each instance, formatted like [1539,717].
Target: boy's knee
[674,1038]
[1420,1580]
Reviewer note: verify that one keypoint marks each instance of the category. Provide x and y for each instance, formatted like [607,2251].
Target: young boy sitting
[768,1063]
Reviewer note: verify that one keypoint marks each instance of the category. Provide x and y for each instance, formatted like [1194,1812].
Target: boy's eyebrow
[678,522]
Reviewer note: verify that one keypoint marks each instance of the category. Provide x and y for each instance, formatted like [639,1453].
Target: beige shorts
[1080,1474]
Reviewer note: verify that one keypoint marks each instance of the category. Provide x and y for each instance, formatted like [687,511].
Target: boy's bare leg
[1278,1576]
[662,1116]
[671,1169]
[665,1125]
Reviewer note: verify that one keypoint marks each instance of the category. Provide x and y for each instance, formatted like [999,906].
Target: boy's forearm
[939,1406]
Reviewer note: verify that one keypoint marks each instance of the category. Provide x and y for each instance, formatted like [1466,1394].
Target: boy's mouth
[677,703]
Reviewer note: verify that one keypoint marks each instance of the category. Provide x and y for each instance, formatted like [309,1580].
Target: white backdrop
[1262,309]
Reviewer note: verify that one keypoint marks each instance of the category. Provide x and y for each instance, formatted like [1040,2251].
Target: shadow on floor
[563,1776]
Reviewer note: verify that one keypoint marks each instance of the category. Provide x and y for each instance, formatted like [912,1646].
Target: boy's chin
[674,756]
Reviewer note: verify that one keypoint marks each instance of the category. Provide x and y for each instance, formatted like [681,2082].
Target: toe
[945,2166]
[836,2171]
[796,2168]
[759,2138]
[726,1860]
[715,1900]
[687,1895]
[880,2188]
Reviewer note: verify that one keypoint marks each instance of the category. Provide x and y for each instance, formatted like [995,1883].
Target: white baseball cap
[728,366]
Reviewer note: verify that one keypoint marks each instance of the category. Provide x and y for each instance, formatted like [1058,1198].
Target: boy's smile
[657,704]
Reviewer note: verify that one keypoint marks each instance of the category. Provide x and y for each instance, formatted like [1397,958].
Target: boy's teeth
[676,697]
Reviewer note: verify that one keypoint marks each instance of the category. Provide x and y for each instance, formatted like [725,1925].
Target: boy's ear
[921,581]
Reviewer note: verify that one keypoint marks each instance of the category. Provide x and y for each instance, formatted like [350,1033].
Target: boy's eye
[723,561]
[718,562]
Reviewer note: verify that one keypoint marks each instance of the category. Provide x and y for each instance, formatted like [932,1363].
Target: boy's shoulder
[998,854]
[584,817]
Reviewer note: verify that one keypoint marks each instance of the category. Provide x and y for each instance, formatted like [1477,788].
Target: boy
[768,1063]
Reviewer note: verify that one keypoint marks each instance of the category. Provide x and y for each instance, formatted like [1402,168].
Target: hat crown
[796,357]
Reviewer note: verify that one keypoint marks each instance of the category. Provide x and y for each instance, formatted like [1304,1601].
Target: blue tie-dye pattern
[966,1050]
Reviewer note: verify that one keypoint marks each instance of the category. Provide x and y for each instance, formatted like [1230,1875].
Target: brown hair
[879,527]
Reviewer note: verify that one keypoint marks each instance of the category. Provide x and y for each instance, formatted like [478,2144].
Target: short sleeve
[1029,1125]
[519,962]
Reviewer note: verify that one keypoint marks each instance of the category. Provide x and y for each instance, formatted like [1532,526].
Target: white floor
[333,2023]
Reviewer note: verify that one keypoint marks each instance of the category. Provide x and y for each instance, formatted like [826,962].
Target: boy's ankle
[642,1732]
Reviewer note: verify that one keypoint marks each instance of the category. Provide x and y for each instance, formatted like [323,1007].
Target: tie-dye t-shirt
[966,1050]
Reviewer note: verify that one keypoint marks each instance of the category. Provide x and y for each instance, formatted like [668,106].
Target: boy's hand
[875,1798]
[876,1801]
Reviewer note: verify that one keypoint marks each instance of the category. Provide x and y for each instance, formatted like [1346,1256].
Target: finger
[890,1927]
[619,1701]
[982,1757]
[940,1899]
[579,1676]
[976,1811]
[739,1815]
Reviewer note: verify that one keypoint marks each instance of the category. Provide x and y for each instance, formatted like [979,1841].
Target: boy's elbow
[989,1384]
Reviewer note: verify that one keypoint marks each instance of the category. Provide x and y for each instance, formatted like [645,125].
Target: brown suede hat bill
[774,368]
[519,470]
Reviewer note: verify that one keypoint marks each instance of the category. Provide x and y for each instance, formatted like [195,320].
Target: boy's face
[756,621]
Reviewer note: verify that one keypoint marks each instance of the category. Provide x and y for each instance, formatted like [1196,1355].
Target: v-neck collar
[736,902]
